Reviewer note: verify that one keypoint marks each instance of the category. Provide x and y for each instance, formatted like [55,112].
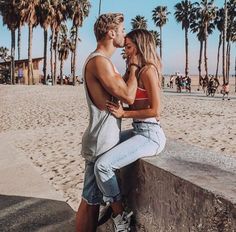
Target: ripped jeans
[145,139]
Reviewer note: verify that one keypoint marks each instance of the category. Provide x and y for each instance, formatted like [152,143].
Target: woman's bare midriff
[142,105]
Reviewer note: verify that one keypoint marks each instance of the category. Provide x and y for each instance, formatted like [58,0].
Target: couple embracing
[104,147]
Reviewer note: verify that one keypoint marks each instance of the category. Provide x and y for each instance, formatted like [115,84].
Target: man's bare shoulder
[101,68]
[98,62]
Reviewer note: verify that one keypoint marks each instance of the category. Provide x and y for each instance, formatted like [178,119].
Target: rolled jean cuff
[112,199]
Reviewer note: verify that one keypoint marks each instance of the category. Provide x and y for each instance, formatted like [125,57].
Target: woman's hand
[133,59]
[115,109]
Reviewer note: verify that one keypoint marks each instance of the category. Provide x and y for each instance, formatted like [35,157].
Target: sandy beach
[46,123]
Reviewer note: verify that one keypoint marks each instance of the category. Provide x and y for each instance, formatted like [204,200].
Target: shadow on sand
[28,214]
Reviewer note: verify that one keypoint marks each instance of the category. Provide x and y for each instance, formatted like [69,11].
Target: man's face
[119,40]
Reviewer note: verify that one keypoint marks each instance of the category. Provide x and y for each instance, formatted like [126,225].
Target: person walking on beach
[171,81]
[146,138]
[102,82]
[225,91]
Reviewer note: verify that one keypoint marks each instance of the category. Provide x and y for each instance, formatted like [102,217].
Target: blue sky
[173,36]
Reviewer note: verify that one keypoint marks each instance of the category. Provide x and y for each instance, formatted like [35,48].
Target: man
[102,83]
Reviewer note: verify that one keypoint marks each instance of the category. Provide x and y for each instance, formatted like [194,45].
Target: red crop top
[141,94]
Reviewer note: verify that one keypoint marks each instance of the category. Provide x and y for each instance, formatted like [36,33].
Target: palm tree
[72,47]
[63,49]
[159,16]
[231,31]
[156,37]
[10,17]
[78,10]
[20,24]
[4,53]
[28,15]
[139,22]
[219,22]
[224,39]
[202,24]
[184,14]
[59,16]
[207,11]
[45,13]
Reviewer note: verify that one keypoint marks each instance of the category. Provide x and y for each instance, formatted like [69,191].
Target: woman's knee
[101,168]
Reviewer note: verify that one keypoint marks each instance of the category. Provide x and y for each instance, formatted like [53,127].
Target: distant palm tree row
[200,18]
[51,14]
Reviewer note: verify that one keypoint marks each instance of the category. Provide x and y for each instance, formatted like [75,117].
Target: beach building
[21,70]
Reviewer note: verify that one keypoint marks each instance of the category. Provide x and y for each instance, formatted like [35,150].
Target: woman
[147,137]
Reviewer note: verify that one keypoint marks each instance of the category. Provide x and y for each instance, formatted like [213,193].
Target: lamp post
[100,4]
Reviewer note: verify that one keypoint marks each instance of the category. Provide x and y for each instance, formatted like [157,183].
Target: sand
[46,123]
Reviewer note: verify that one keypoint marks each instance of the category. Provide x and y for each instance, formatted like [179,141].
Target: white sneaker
[122,222]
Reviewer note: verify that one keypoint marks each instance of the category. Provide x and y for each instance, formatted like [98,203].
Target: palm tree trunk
[13,46]
[55,57]
[235,75]
[161,42]
[205,58]
[218,55]
[61,72]
[19,41]
[74,56]
[200,62]
[228,61]
[71,61]
[186,53]
[45,55]
[205,50]
[51,56]
[224,39]
[30,74]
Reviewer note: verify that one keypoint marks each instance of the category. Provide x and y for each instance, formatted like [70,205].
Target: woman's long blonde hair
[146,49]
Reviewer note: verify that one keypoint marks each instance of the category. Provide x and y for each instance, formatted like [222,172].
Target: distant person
[178,83]
[225,91]
[188,84]
[171,81]
[103,83]
[211,81]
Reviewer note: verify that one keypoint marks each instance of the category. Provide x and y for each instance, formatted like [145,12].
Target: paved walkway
[27,202]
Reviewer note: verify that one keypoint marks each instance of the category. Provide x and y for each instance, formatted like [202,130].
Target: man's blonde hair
[106,22]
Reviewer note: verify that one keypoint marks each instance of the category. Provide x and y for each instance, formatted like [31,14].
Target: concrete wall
[164,202]
[182,190]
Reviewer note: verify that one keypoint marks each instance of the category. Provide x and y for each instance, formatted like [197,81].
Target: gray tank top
[103,131]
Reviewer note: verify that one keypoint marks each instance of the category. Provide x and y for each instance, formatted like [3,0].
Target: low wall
[183,189]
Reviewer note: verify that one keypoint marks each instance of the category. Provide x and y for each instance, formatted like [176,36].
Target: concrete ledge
[186,188]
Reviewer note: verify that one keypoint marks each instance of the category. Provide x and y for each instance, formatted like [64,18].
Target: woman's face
[130,47]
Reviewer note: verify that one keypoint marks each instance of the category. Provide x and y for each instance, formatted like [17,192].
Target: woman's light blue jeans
[145,139]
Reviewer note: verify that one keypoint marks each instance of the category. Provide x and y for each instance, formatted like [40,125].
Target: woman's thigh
[126,134]
[129,151]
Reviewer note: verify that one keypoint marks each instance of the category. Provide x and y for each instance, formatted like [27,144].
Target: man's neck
[106,49]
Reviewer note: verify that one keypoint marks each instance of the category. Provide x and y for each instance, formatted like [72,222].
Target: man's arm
[113,82]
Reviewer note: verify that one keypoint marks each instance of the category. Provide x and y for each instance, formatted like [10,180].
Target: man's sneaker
[122,222]
[104,215]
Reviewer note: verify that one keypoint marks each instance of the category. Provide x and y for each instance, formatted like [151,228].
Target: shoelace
[123,225]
